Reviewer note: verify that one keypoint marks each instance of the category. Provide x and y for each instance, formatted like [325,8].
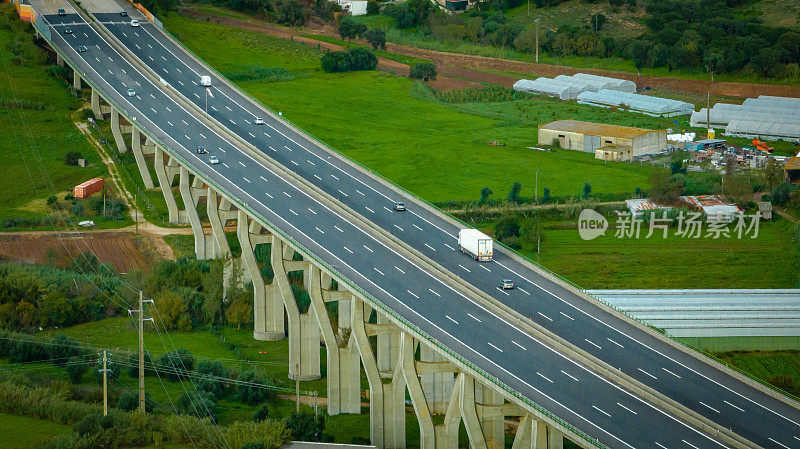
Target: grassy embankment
[21,431]
[437,150]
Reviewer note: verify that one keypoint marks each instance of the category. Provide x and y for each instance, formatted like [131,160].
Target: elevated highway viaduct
[286,189]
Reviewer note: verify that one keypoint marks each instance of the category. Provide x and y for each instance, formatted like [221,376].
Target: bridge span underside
[414,314]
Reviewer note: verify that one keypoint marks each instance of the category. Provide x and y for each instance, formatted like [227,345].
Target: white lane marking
[432,291]
[231,121]
[387,209]
[367,208]
[592,343]
[154,111]
[310,162]
[194,82]
[338,228]
[612,341]
[220,148]
[473,317]
[267,135]
[341,192]
[251,134]
[448,317]
[780,444]
[320,230]
[690,444]
[162,57]
[201,135]
[187,137]
[569,375]
[367,248]
[545,316]
[242,164]
[464,268]
[543,376]
[412,294]
[287,194]
[398,227]
[502,291]
[660,445]
[449,246]
[671,373]
[293,212]
[226,165]
[268,195]
[654,377]
[246,179]
[567,316]
[398,269]
[273,149]
[295,163]
[413,225]
[348,249]
[708,406]
[195,94]
[334,177]
[740,409]
[523,291]
[485,268]
[626,408]
[601,410]
[179,70]
[495,347]
[429,246]
[316,176]
[184,122]
[518,345]
[311,210]
[167,108]
[228,108]
[360,192]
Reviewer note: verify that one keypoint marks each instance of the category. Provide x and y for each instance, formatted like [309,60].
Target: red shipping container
[89,187]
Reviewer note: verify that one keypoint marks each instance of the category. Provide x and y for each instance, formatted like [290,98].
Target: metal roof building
[765,117]
[643,104]
[589,137]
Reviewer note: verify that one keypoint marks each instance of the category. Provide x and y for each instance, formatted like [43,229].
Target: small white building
[638,206]
[354,7]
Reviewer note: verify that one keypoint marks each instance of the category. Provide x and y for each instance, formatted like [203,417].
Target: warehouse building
[624,142]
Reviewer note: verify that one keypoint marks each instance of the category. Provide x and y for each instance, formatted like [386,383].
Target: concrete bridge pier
[138,154]
[98,112]
[116,130]
[165,172]
[59,59]
[192,189]
[220,210]
[76,80]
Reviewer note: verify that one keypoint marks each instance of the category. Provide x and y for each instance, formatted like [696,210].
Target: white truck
[475,244]
[205,80]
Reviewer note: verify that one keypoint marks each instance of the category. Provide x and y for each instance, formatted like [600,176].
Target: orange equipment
[762,145]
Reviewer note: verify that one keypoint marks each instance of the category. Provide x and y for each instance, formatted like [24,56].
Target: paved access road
[710,392]
[635,352]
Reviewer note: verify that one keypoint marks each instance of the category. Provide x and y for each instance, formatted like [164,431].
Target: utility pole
[537,39]
[536,189]
[141,320]
[105,382]
[708,114]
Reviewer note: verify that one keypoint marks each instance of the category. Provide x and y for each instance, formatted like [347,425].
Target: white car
[258,121]
[213,160]
[135,23]
[399,206]
[507,284]
[131,93]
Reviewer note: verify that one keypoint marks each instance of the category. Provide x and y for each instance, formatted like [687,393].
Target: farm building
[568,87]
[792,170]
[643,104]
[765,117]
[589,137]
[638,206]
[714,207]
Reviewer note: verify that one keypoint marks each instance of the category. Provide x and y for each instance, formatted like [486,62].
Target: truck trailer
[475,244]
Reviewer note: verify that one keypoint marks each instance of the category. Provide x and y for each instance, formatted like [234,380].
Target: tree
[765,60]
[506,227]
[597,21]
[239,313]
[513,195]
[349,29]
[773,174]
[376,38]
[714,63]
[424,71]
[373,8]
[250,394]
[335,61]
[290,13]
[212,369]
[546,195]
[362,59]
[213,291]
[738,188]
[76,369]
[261,414]
[485,193]
[71,158]
[62,348]
[173,311]
[676,166]
[782,192]
[587,190]
[664,189]
[175,363]
[639,51]
[200,404]
[305,426]
[129,401]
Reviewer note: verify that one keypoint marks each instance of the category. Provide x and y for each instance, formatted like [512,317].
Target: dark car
[123,13]
[201,150]
[82,48]
[62,12]
[67,30]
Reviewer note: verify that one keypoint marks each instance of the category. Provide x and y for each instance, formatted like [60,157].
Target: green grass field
[781,368]
[21,431]
[608,262]
[395,127]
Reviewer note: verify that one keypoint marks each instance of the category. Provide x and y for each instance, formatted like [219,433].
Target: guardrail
[418,333]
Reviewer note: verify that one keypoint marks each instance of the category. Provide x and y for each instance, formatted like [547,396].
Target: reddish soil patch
[118,248]
[459,66]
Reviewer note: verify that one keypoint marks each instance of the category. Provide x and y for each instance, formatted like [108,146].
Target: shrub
[373,7]
[176,362]
[261,414]
[344,61]
[212,368]
[305,426]
[250,394]
[363,59]
[781,194]
[200,404]
[62,348]
[89,425]
[112,374]
[133,364]
[376,38]
[71,157]
[507,227]
[76,369]
[424,71]
[129,401]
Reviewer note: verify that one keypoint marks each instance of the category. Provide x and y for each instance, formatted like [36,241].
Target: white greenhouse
[765,117]
[643,104]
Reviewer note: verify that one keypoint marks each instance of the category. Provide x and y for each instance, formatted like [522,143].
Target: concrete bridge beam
[190,204]
[165,182]
[136,145]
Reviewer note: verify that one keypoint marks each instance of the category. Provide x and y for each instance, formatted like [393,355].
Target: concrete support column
[165,182]
[394,409]
[388,344]
[490,413]
[437,386]
[359,312]
[59,59]
[555,439]
[350,379]
[136,144]
[219,212]
[76,80]
[316,283]
[427,436]
[191,212]
[469,411]
[98,113]
[522,439]
[117,132]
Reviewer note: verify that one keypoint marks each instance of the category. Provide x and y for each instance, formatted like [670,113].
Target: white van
[205,80]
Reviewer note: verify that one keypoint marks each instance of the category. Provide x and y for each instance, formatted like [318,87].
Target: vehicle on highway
[399,206]
[205,80]
[201,149]
[82,48]
[475,244]
[62,12]
[507,284]
[131,93]
[213,160]
[67,30]
[258,121]
[134,23]
[123,13]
